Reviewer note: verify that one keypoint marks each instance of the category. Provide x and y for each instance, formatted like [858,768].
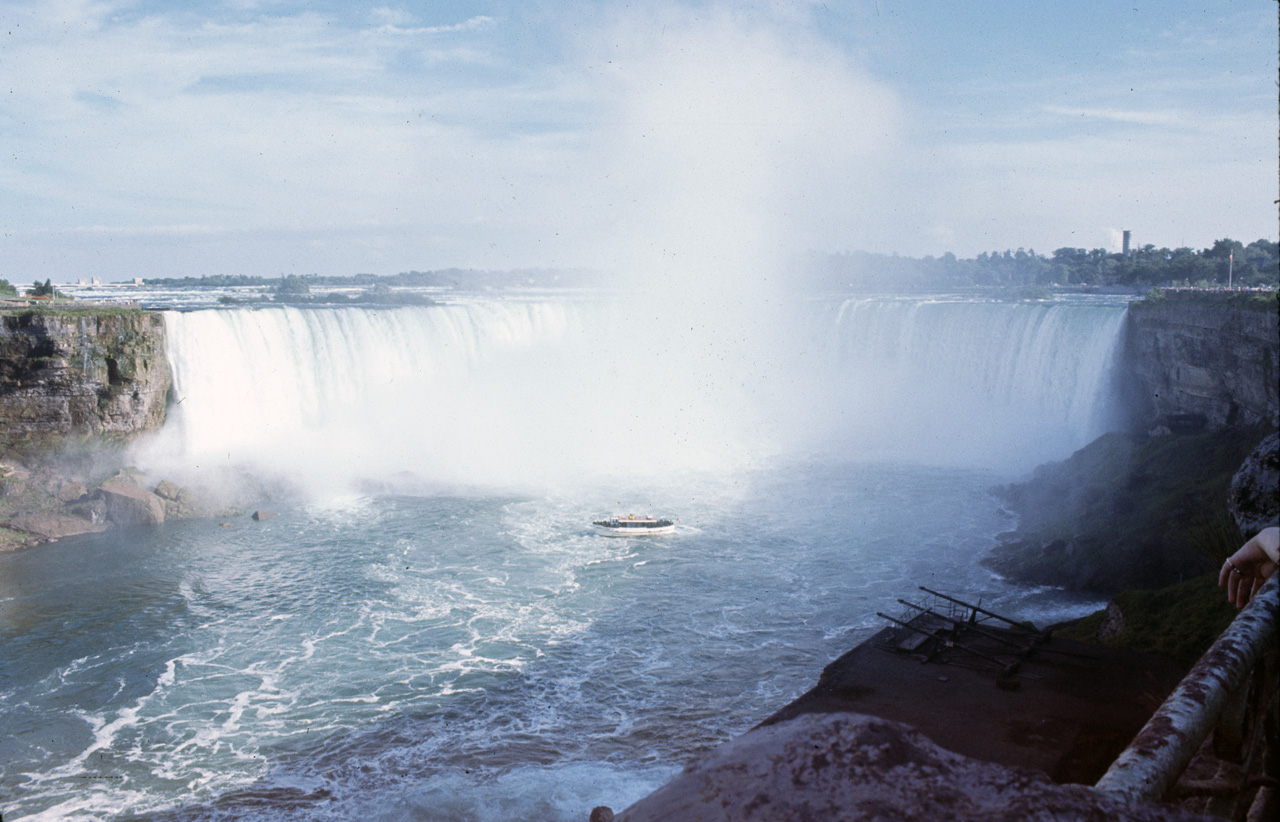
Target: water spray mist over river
[461,646]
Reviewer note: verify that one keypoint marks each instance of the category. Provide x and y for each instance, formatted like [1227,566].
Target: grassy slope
[1179,622]
[1122,514]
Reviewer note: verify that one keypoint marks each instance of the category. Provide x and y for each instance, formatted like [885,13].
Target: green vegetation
[378,295]
[72,309]
[1179,622]
[454,278]
[1123,514]
[7,289]
[292,286]
[1268,300]
[1256,264]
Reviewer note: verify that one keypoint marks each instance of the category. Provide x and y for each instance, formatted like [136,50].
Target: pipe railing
[1152,764]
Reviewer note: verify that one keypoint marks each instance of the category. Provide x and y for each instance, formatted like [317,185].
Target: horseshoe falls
[430,630]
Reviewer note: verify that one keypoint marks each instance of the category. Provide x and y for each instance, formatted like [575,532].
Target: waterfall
[967,382]
[508,391]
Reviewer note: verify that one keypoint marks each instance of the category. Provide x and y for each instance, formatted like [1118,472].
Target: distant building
[1125,249]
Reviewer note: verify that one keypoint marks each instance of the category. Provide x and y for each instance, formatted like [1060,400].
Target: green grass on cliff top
[72,309]
[1252,300]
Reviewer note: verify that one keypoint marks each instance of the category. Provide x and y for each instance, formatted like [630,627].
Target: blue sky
[261,137]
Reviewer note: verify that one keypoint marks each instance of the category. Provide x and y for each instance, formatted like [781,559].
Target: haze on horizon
[262,137]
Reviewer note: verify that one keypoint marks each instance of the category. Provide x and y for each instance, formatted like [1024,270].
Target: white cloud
[724,134]
[1145,118]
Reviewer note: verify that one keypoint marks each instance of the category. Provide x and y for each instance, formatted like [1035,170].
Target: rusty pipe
[1158,755]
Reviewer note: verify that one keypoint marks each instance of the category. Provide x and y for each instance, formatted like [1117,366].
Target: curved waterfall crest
[506,390]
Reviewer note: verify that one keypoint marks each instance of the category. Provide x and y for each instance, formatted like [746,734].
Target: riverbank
[49,501]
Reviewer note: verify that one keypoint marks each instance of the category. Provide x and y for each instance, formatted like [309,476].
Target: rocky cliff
[1203,360]
[80,375]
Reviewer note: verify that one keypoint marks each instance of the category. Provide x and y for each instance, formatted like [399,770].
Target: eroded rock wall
[1203,363]
[80,376]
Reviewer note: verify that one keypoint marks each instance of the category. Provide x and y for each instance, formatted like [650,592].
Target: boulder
[94,510]
[1254,498]
[261,515]
[168,490]
[127,504]
[54,526]
[70,491]
[846,766]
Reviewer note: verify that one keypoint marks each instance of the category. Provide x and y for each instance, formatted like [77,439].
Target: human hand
[1245,571]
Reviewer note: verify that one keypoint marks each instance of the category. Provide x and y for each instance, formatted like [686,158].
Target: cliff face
[80,375]
[1193,360]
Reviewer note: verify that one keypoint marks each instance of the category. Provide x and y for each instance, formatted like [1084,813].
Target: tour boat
[633,526]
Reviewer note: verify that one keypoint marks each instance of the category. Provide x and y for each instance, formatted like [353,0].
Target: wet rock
[54,526]
[13,470]
[168,490]
[70,491]
[261,515]
[130,475]
[845,766]
[1254,498]
[127,504]
[93,510]
[80,377]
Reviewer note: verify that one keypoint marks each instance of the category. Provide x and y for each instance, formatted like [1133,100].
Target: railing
[1233,692]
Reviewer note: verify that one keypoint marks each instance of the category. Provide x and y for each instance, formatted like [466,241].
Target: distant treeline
[1255,264]
[454,278]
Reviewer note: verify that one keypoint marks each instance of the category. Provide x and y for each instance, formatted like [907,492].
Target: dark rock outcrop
[80,375]
[1202,363]
[1254,498]
[1125,512]
[845,766]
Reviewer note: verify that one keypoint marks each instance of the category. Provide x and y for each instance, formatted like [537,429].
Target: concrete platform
[1068,710]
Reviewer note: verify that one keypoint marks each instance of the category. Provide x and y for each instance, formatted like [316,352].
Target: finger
[1223,574]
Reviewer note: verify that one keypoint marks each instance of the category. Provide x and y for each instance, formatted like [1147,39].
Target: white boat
[633,526]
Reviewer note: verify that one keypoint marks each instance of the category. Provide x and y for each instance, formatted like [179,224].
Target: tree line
[1226,262]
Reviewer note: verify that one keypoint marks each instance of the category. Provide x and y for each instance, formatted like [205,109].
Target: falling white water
[518,393]
[1006,385]
[493,393]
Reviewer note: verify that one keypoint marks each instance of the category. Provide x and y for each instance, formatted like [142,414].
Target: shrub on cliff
[1179,622]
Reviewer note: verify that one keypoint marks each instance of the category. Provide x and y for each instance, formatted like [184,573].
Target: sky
[264,137]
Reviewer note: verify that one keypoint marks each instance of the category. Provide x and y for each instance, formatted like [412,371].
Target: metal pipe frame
[1158,755]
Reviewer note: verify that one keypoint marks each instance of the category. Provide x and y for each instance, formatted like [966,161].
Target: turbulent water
[429,630]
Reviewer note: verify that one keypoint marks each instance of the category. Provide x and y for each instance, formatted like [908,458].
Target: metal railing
[1233,692]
